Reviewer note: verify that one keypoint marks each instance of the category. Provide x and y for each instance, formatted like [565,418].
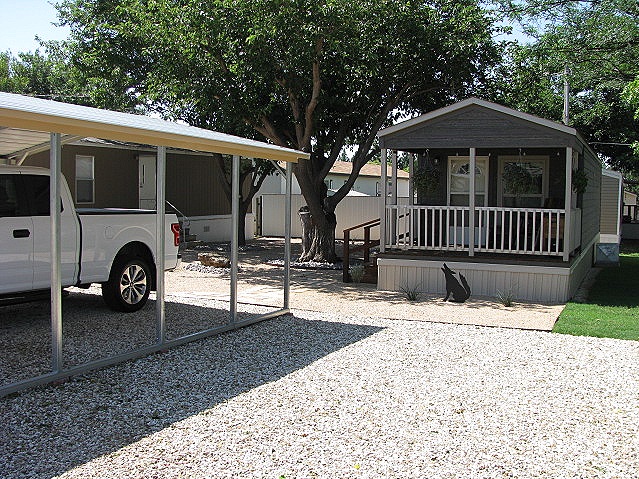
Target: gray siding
[476,126]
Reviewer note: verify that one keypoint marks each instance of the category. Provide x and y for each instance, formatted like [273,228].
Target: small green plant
[426,179]
[507,298]
[357,273]
[411,293]
[579,181]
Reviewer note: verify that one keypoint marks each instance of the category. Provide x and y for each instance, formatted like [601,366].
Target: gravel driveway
[355,383]
[320,395]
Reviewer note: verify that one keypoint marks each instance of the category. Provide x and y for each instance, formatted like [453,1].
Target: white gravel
[318,395]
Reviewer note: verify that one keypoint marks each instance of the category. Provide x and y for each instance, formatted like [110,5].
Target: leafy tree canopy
[599,42]
[311,75]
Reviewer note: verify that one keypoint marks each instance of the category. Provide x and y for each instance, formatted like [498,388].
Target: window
[459,180]
[523,181]
[84,179]
[8,197]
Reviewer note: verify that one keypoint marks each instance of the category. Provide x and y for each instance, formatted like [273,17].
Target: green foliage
[410,293]
[507,298]
[316,76]
[357,272]
[579,181]
[517,179]
[599,42]
[426,179]
[51,75]
[611,309]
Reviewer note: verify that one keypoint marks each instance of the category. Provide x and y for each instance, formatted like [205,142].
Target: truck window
[11,200]
[38,191]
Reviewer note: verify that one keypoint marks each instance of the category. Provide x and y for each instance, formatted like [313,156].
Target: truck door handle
[21,233]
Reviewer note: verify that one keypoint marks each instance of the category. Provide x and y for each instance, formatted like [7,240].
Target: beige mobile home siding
[115,172]
[609,204]
[591,200]
[192,183]
[193,186]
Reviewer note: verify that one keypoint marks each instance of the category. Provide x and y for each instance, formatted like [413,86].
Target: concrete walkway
[323,291]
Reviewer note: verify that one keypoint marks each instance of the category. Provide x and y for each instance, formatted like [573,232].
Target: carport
[29,124]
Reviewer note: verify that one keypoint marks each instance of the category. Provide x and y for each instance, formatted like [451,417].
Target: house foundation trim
[544,284]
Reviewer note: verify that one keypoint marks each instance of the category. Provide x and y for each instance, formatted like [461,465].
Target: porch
[497,230]
[509,200]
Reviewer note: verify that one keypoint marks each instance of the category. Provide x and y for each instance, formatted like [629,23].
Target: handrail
[376,222]
[366,247]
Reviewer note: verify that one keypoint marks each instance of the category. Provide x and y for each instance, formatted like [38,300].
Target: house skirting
[544,284]
[630,231]
[216,228]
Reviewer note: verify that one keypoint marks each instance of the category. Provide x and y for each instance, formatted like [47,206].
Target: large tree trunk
[318,237]
[241,226]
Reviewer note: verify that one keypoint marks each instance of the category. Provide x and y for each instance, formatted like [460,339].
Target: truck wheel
[129,284]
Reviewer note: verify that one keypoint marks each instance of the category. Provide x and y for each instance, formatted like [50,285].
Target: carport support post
[55,160]
[160,239]
[287,236]
[235,221]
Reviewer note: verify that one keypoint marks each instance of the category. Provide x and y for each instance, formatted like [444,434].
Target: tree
[599,42]
[315,76]
[51,75]
[252,175]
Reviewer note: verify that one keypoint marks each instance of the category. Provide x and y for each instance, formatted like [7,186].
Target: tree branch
[317,88]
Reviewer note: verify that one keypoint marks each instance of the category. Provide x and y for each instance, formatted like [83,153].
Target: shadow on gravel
[91,331]
[49,430]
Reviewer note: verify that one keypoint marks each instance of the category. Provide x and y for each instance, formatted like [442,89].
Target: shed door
[146,175]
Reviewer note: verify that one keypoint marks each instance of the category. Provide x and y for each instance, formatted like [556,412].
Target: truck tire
[129,284]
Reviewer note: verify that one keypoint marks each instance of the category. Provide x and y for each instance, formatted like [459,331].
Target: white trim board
[511,268]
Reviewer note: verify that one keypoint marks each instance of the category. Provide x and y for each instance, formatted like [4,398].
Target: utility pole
[566,95]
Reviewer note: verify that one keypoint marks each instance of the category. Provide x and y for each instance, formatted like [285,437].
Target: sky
[22,20]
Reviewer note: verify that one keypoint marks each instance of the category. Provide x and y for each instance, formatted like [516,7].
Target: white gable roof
[21,116]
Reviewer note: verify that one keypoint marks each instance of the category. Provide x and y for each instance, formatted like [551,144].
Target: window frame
[449,175]
[503,159]
[80,179]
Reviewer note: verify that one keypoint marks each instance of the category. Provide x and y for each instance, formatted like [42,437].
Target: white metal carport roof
[25,126]
[37,115]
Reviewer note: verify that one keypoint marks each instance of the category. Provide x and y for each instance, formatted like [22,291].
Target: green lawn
[612,308]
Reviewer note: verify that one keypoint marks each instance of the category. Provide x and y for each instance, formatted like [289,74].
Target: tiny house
[510,200]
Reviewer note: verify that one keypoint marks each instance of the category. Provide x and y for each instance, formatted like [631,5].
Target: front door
[146,174]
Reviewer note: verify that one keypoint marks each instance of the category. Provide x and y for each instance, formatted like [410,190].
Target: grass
[612,307]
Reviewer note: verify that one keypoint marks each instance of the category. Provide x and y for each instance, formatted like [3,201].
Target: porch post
[411,171]
[394,177]
[471,203]
[383,196]
[568,204]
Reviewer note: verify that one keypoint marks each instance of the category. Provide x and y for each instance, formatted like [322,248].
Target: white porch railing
[532,231]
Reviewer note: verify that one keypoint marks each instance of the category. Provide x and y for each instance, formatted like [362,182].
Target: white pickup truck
[113,247]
